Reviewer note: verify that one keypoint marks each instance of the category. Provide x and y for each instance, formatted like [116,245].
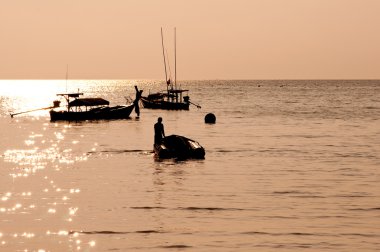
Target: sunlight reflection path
[36,199]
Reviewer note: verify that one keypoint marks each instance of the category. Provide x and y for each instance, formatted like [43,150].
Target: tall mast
[175,58]
[163,53]
[67,74]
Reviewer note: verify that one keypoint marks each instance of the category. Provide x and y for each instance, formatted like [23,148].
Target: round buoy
[210,118]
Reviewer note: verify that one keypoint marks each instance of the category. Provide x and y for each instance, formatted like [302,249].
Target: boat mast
[67,74]
[175,58]
[163,53]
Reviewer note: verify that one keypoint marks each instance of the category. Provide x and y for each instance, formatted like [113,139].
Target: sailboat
[173,98]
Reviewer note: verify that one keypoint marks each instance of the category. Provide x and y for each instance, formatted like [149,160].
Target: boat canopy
[177,91]
[72,95]
[88,102]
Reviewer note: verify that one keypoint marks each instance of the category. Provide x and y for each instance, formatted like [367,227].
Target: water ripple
[115,232]
[193,208]
[365,209]
[311,234]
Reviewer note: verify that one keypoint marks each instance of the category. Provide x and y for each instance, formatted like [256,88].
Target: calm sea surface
[290,166]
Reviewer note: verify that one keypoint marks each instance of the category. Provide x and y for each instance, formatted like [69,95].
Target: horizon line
[216,79]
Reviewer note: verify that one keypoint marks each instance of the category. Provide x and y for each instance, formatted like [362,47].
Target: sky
[216,39]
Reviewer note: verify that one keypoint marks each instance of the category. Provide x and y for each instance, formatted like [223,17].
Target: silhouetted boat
[80,109]
[173,98]
[179,147]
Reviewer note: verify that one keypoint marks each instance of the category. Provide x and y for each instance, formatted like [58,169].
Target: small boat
[80,109]
[179,147]
[170,100]
[173,98]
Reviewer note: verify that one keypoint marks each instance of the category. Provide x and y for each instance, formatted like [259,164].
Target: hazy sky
[216,39]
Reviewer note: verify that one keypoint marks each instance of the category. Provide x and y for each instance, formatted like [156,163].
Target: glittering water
[290,166]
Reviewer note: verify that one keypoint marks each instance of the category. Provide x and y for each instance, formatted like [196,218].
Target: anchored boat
[173,98]
[79,109]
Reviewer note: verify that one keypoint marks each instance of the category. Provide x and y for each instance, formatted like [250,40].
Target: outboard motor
[56,103]
[186,99]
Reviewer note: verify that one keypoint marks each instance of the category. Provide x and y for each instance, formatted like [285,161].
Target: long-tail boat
[79,109]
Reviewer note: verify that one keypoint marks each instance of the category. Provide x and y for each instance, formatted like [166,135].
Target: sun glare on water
[25,95]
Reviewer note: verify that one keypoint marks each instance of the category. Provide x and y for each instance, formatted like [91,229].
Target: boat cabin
[171,95]
[176,95]
[77,104]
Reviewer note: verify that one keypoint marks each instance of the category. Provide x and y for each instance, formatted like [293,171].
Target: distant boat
[79,109]
[173,98]
[179,147]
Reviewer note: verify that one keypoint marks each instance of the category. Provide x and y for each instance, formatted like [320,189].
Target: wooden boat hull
[161,104]
[103,113]
[179,147]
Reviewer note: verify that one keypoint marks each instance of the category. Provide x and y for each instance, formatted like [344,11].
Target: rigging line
[163,53]
[175,58]
[170,71]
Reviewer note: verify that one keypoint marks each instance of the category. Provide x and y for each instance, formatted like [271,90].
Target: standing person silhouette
[159,132]
[136,101]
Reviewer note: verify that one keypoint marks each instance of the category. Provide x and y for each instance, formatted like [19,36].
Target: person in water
[159,132]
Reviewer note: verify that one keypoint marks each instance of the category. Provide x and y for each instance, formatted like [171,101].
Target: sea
[290,165]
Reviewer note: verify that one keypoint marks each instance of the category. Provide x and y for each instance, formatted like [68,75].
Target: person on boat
[136,101]
[159,132]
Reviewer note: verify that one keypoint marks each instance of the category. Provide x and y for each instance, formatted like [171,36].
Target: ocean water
[290,166]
